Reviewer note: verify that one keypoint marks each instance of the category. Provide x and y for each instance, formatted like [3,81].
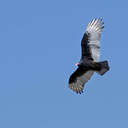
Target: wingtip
[95,25]
[101,18]
[77,90]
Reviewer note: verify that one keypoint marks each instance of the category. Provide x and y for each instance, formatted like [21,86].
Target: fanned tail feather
[104,67]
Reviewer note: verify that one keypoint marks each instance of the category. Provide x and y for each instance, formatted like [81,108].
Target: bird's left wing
[90,43]
[93,31]
[79,78]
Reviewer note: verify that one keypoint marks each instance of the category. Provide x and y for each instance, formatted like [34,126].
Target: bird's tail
[104,67]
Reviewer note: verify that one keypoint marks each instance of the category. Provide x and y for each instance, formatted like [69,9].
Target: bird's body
[89,64]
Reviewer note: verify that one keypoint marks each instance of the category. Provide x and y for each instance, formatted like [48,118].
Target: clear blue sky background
[39,45]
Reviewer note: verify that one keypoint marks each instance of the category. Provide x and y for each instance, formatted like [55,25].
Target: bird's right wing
[79,78]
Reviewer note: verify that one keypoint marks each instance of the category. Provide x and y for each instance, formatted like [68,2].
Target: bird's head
[79,63]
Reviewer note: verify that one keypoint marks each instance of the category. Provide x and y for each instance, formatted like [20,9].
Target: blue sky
[39,45]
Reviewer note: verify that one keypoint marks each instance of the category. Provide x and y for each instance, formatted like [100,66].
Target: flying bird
[88,64]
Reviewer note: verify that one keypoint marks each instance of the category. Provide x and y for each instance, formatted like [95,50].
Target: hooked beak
[77,64]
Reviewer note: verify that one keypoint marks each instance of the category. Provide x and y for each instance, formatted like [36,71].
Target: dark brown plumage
[90,46]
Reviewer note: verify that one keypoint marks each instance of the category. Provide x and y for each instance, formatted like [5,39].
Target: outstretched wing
[91,40]
[79,78]
[86,52]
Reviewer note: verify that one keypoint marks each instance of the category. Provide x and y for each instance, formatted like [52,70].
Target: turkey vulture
[88,64]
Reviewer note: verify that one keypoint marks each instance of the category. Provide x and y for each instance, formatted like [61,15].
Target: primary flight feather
[88,64]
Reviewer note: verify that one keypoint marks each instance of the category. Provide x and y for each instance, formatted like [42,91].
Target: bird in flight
[88,64]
